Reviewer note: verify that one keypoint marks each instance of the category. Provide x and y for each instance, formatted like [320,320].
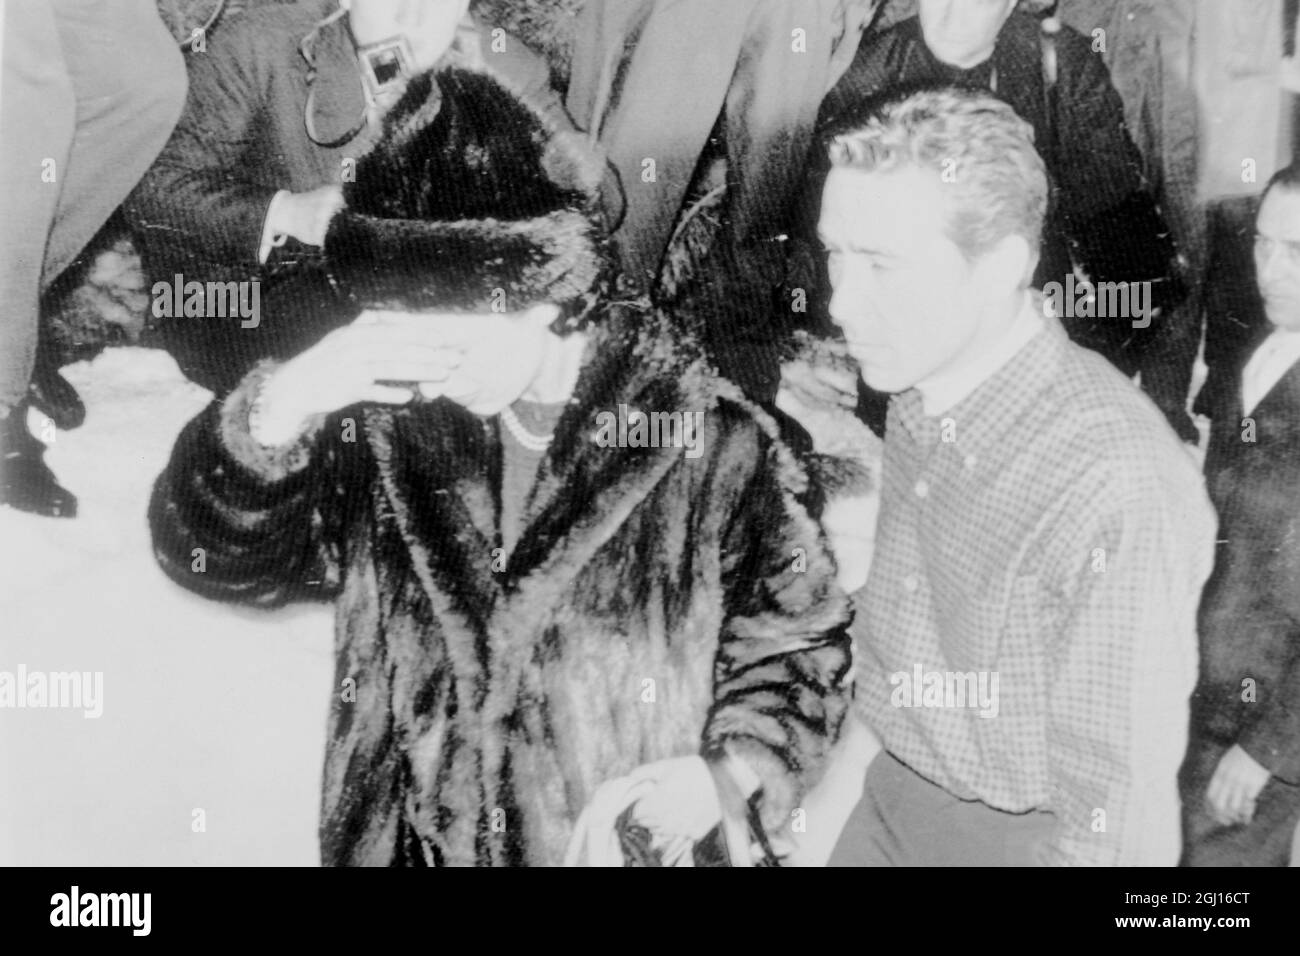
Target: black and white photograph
[650,433]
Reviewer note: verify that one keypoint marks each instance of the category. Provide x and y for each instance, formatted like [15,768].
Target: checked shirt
[1048,530]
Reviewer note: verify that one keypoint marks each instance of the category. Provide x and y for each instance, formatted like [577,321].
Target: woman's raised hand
[350,365]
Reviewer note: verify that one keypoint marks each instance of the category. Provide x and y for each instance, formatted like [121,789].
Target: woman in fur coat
[561,548]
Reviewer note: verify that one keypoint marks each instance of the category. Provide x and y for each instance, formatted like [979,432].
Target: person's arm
[1121,665]
[1273,737]
[198,203]
[240,521]
[197,192]
[262,487]
[870,74]
[780,689]
[1109,210]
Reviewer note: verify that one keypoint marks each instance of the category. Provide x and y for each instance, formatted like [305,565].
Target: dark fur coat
[657,605]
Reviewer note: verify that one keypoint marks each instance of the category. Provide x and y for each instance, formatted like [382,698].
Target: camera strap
[307,50]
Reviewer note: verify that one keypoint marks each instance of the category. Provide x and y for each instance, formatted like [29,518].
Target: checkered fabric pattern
[1049,532]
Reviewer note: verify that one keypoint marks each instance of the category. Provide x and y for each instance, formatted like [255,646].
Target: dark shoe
[54,395]
[26,482]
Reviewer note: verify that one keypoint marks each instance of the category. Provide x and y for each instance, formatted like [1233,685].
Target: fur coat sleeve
[235,521]
[779,691]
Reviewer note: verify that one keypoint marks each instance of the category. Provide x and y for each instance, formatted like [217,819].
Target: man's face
[429,26]
[906,298]
[963,33]
[1277,257]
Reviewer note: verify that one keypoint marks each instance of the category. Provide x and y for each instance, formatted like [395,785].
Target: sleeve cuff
[1261,743]
[780,788]
[271,240]
[270,464]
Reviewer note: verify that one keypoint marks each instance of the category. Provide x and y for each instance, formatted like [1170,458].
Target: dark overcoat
[1248,693]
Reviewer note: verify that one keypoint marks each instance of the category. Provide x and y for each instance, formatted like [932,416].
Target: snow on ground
[205,707]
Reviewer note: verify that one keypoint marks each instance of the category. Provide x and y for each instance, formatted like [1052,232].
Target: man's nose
[847,296]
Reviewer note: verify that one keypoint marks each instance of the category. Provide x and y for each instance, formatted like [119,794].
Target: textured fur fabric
[101,300]
[658,606]
[660,603]
[472,202]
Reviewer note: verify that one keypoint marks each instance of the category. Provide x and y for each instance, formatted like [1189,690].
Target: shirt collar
[944,390]
[1016,373]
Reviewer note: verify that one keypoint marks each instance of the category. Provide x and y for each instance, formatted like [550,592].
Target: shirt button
[911,583]
[970,462]
[922,488]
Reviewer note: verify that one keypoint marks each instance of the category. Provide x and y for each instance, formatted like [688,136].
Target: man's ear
[1008,266]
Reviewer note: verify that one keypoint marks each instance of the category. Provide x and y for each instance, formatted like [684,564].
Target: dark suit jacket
[1250,611]
[199,210]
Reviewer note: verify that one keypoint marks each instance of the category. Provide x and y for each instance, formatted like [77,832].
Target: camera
[384,65]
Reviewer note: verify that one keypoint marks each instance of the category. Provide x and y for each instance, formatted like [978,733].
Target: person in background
[1025,641]
[89,94]
[1102,220]
[1241,778]
[281,107]
[707,111]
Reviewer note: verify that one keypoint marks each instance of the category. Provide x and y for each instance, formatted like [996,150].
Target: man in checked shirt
[1026,641]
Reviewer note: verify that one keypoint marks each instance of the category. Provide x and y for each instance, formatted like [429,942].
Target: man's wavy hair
[978,147]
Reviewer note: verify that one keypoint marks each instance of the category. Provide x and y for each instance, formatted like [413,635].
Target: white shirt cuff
[271,240]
